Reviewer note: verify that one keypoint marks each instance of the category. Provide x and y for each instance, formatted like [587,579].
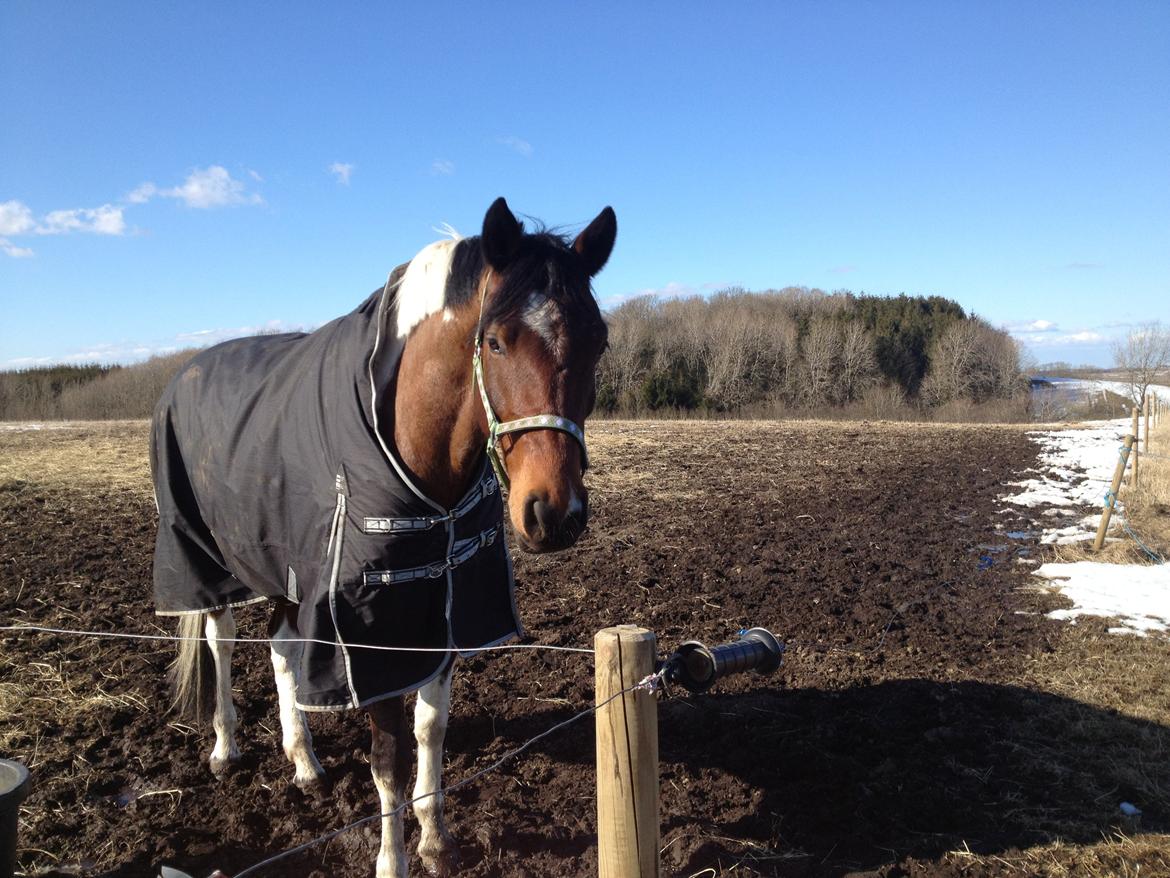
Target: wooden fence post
[1146,425]
[627,755]
[1111,497]
[1133,477]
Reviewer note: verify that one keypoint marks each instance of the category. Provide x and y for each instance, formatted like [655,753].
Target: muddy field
[929,719]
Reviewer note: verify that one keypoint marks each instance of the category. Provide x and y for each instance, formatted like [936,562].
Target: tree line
[802,349]
[87,392]
[793,350]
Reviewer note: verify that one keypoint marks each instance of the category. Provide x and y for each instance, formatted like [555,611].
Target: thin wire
[648,684]
[1153,556]
[174,637]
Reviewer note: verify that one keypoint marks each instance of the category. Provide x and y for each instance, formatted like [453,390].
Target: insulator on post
[696,666]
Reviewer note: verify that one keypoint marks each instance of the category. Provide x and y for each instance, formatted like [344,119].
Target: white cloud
[10,249]
[1054,339]
[843,269]
[443,167]
[136,351]
[104,220]
[210,187]
[672,290]
[143,193]
[204,188]
[1020,327]
[342,171]
[515,143]
[15,218]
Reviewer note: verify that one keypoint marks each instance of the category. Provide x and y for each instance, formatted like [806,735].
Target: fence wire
[649,684]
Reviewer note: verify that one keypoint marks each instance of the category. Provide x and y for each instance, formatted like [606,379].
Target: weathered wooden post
[1133,477]
[1111,497]
[627,754]
[1146,425]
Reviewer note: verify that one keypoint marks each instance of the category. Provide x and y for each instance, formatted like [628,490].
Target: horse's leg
[296,738]
[390,765]
[220,630]
[439,853]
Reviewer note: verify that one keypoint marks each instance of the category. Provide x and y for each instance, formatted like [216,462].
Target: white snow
[1138,596]
[1075,472]
[1077,466]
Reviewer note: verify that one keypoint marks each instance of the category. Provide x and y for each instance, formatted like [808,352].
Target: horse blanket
[273,482]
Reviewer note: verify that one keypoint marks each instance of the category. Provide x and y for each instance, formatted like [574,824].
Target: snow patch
[1138,597]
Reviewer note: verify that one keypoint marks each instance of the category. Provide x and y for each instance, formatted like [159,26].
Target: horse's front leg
[220,631]
[439,852]
[296,738]
[390,764]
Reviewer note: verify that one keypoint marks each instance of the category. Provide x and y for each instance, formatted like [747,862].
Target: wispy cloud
[127,351]
[104,220]
[1030,326]
[517,144]
[1061,339]
[10,249]
[672,290]
[443,167]
[843,269]
[16,218]
[342,171]
[1083,266]
[211,187]
[204,188]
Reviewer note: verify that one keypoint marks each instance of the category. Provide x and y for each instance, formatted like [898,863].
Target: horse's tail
[193,671]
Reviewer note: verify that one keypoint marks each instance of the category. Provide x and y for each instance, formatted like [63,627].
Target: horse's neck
[438,422]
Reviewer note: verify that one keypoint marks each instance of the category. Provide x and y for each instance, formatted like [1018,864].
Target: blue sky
[175,173]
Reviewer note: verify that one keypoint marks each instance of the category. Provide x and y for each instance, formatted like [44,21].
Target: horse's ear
[502,234]
[596,242]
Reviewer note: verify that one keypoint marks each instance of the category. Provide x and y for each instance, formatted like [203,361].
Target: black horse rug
[273,482]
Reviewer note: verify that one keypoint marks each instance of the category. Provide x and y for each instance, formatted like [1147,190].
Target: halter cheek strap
[497,428]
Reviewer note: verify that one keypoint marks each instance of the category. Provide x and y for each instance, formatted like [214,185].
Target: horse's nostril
[546,517]
[531,522]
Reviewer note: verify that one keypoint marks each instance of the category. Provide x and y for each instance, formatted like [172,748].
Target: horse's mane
[545,262]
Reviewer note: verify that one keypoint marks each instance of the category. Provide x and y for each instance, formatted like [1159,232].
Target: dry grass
[1148,504]
[79,456]
[1119,856]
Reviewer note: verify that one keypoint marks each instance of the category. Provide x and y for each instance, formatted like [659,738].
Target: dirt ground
[928,720]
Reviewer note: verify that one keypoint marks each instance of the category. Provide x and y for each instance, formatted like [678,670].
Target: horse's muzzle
[548,529]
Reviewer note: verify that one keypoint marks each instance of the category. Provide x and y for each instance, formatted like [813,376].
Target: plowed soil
[897,730]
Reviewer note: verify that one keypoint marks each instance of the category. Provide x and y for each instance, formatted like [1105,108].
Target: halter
[498,428]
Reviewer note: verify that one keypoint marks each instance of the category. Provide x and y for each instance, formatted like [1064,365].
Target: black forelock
[545,262]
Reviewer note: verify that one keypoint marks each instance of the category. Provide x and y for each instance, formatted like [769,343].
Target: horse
[354,478]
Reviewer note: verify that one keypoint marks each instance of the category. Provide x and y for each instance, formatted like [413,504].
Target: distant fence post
[627,755]
[1146,425]
[1111,497]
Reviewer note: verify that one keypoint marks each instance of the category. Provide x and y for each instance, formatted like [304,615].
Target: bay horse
[343,475]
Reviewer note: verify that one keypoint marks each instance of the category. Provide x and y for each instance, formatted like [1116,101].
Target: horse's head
[539,338]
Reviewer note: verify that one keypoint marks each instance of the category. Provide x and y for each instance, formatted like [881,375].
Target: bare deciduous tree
[858,363]
[1141,356]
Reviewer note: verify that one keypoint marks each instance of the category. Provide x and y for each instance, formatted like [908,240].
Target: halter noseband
[497,428]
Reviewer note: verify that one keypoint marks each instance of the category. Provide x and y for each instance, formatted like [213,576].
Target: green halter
[497,428]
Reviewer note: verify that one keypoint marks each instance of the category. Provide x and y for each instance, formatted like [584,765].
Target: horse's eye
[494,344]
